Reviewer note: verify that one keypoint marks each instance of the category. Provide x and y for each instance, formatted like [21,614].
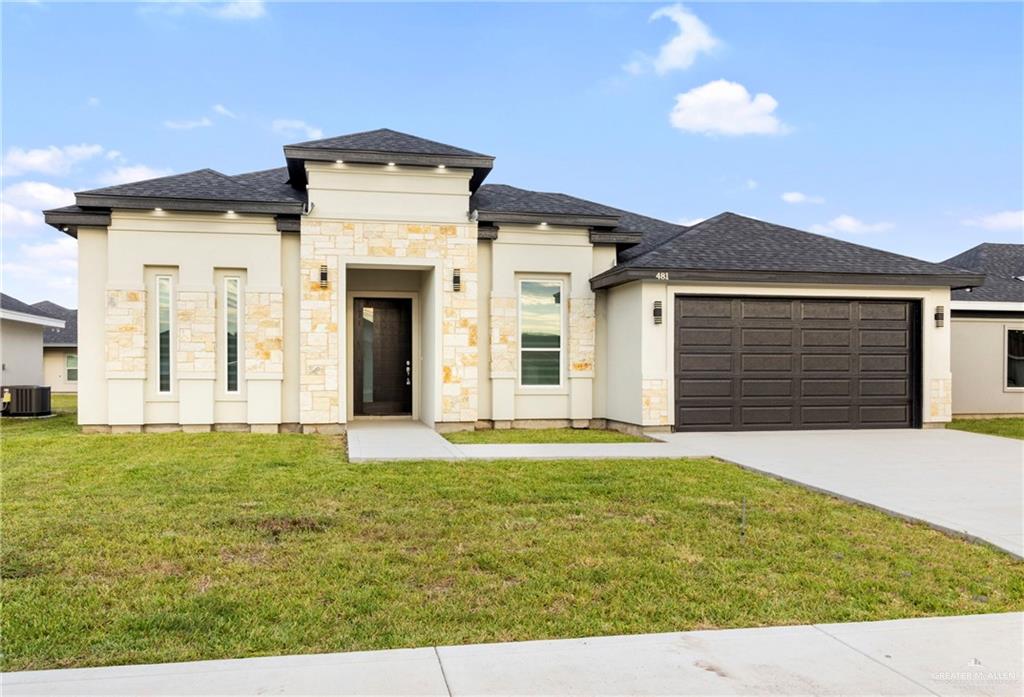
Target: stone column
[582,342]
[125,330]
[195,325]
[264,356]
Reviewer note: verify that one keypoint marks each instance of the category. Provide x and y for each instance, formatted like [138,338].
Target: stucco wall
[21,353]
[979,367]
[641,388]
[55,369]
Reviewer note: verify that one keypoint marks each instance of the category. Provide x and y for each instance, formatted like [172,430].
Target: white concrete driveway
[962,482]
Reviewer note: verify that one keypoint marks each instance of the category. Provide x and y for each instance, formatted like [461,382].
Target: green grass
[1008,428]
[170,547]
[542,435]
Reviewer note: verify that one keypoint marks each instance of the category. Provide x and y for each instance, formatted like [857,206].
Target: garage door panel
[790,363]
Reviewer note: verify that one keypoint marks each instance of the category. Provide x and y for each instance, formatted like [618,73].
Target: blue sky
[899,126]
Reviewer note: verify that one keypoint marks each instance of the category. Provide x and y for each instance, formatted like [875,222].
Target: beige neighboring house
[60,348]
[376,275]
[988,333]
[21,341]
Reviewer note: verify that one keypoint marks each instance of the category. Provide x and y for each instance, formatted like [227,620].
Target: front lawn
[542,435]
[172,547]
[1008,428]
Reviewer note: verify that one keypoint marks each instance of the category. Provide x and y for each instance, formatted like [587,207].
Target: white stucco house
[21,341]
[988,333]
[376,275]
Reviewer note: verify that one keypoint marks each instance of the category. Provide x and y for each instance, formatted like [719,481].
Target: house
[376,275]
[21,341]
[988,333]
[60,348]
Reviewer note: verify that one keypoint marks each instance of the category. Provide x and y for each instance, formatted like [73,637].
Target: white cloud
[847,224]
[295,128]
[93,101]
[752,184]
[726,108]
[688,222]
[114,155]
[800,197]
[224,111]
[240,9]
[24,275]
[679,53]
[23,203]
[52,160]
[1004,220]
[188,124]
[16,219]
[131,173]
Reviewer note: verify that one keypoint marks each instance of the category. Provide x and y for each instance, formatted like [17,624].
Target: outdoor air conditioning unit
[25,400]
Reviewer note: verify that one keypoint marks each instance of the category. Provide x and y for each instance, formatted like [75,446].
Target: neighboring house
[988,333]
[60,348]
[21,341]
[376,275]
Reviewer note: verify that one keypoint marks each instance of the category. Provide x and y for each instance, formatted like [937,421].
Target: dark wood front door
[382,356]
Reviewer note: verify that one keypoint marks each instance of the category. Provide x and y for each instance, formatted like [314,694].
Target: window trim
[68,369]
[1007,328]
[238,335]
[561,334]
[157,279]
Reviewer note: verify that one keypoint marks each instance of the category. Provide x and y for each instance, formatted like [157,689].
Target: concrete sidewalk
[388,439]
[980,654]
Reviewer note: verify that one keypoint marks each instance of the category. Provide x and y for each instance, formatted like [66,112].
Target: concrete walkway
[965,483]
[974,655]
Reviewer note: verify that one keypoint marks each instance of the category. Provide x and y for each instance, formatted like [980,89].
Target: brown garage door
[755,363]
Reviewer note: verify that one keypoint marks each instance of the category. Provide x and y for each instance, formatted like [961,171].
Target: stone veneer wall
[940,399]
[322,309]
[504,343]
[196,328]
[264,333]
[655,403]
[125,324]
[582,336]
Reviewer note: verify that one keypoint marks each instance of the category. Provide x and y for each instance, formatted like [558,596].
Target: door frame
[916,347]
[417,358]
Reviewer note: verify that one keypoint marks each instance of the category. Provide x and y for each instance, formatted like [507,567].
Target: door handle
[408,372]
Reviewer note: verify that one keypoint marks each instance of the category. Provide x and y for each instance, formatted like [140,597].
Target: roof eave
[25,317]
[68,222]
[189,204]
[296,155]
[498,217]
[624,274]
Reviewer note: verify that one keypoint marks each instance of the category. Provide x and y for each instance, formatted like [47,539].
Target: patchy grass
[172,547]
[542,435]
[1008,428]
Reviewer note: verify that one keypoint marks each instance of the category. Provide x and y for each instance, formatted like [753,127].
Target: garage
[785,363]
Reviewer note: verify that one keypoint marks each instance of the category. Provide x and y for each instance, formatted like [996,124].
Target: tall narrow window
[540,333]
[163,318]
[1015,358]
[71,367]
[231,284]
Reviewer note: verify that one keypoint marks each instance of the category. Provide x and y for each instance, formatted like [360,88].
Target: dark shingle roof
[1002,264]
[205,184]
[730,242]
[272,183]
[386,140]
[502,198]
[14,305]
[68,336]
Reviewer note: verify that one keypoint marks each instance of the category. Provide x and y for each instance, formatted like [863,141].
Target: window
[71,367]
[163,330]
[231,286]
[540,333]
[1015,358]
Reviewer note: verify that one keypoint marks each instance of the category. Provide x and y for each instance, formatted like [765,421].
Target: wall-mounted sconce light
[657,312]
[940,315]
[323,275]
[457,280]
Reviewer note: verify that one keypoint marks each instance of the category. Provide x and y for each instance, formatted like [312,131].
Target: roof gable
[1002,264]
[385,140]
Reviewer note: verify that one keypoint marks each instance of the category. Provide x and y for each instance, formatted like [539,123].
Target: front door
[382,356]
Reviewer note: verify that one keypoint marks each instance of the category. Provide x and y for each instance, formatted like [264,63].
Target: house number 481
[661,276]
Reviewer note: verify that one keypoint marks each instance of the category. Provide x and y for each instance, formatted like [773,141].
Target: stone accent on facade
[940,399]
[504,342]
[655,403]
[582,337]
[195,324]
[332,243]
[125,325]
[264,333]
